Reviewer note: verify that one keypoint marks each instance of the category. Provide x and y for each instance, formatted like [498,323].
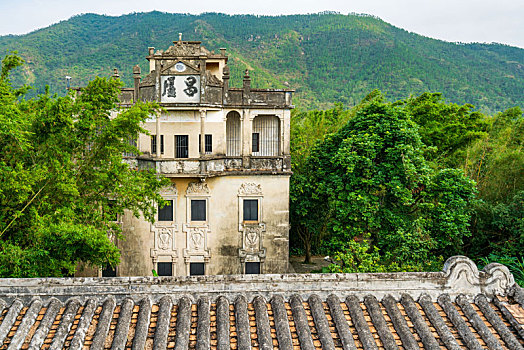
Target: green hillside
[327,58]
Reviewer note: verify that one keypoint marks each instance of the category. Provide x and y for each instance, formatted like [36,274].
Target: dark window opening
[153,144]
[165,268]
[255,146]
[165,213]
[182,146]
[196,269]
[252,268]
[198,210]
[208,145]
[108,271]
[250,209]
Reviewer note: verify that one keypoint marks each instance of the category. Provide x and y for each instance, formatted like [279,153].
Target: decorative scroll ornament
[461,271]
[250,189]
[198,188]
[169,190]
[498,279]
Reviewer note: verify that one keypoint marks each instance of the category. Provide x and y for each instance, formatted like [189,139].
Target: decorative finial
[115,73]
[246,73]
[180,37]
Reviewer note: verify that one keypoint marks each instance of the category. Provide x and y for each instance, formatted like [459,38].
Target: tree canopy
[391,186]
[63,179]
[376,187]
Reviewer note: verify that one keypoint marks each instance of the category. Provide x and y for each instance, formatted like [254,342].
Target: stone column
[136,78]
[202,132]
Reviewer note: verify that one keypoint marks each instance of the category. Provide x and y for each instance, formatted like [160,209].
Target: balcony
[215,166]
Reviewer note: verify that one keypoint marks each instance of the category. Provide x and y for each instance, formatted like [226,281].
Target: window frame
[199,199]
[199,263]
[172,200]
[241,199]
[109,268]
[255,136]
[208,146]
[154,145]
[164,263]
[253,273]
[257,201]
[177,137]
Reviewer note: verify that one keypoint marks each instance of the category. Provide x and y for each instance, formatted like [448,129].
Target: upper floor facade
[207,128]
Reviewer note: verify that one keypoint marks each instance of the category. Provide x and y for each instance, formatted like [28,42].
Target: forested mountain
[326,57]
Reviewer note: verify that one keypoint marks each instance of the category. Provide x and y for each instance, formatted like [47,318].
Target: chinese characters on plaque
[180,89]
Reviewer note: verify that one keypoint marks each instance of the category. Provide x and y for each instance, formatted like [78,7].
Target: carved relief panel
[196,243]
[197,224]
[164,232]
[252,249]
[251,226]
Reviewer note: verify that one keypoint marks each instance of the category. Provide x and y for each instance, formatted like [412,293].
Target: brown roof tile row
[329,324]
[460,308]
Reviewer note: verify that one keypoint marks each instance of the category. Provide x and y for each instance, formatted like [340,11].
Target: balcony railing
[214,166]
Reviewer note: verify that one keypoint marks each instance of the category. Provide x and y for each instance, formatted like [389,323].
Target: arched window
[265,140]
[233,138]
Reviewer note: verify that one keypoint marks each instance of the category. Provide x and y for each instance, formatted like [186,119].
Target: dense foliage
[327,58]
[390,186]
[62,178]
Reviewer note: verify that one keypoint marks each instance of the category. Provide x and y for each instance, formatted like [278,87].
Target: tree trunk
[307,247]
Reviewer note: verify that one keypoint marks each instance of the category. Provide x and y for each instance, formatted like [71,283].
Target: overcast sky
[452,20]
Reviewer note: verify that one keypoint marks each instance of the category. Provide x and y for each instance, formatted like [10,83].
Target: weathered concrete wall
[460,276]
[223,232]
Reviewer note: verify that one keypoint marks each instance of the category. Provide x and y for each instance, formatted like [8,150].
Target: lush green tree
[63,178]
[308,225]
[374,182]
[447,128]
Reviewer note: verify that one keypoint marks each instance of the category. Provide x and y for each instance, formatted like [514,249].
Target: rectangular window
[153,144]
[165,213]
[108,271]
[208,147]
[196,269]
[198,210]
[253,268]
[250,209]
[182,146]
[255,146]
[208,144]
[165,268]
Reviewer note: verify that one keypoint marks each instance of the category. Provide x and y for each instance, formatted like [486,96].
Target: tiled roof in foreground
[458,308]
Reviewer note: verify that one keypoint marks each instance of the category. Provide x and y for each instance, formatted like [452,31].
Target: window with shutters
[250,209]
[208,144]
[165,213]
[182,146]
[198,210]
[233,138]
[266,136]
[252,268]
[154,144]
[165,269]
[196,269]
